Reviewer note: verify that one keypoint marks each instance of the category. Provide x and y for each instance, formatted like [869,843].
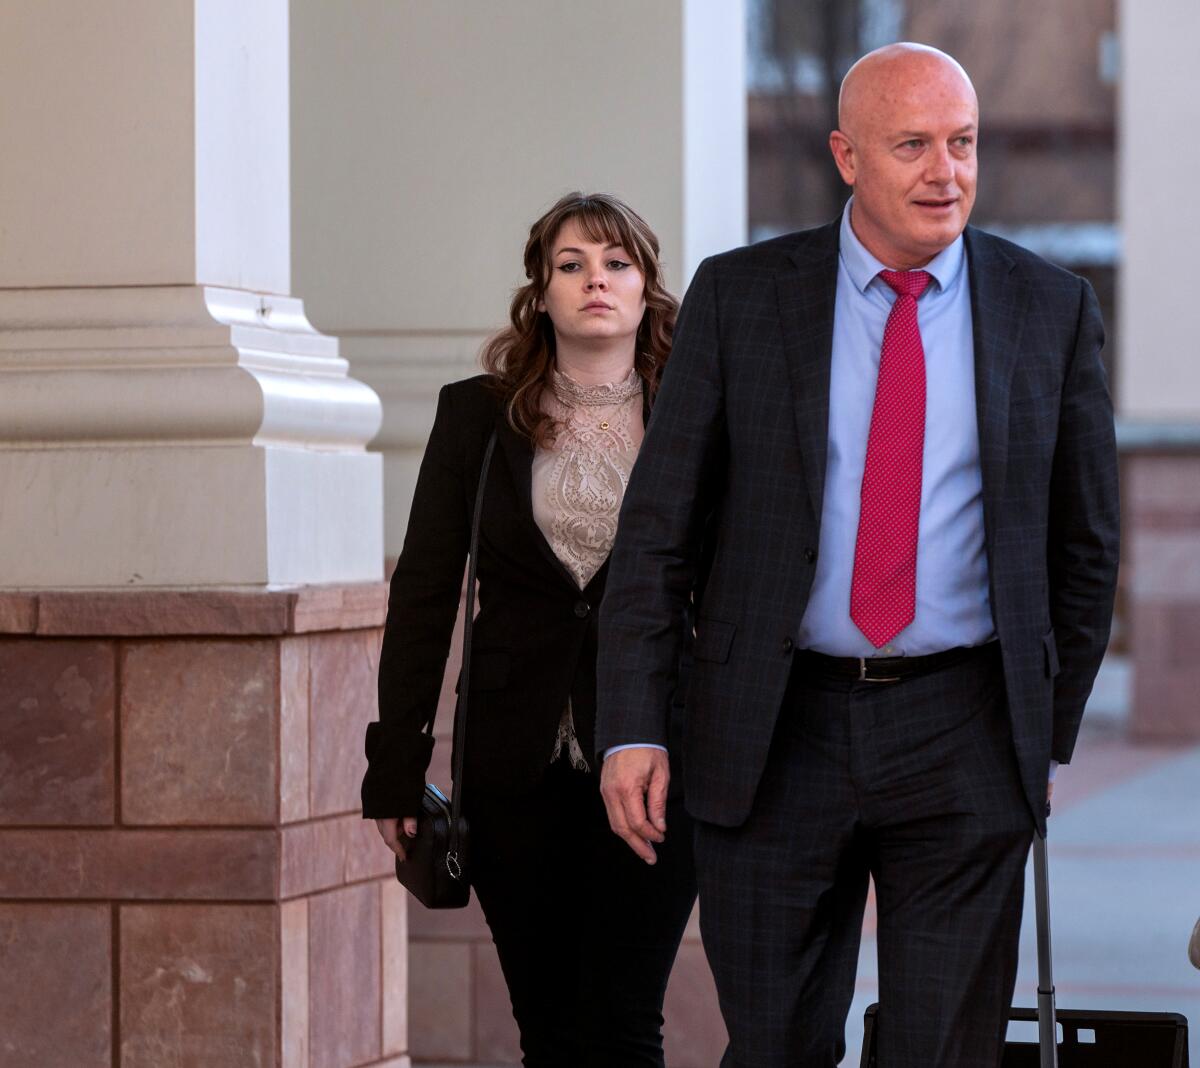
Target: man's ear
[843,155]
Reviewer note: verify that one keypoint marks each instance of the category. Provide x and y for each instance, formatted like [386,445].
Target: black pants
[915,783]
[585,931]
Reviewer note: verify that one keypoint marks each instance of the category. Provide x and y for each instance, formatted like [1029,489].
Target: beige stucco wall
[427,137]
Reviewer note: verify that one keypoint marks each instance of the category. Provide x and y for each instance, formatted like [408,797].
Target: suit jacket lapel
[806,297]
[999,298]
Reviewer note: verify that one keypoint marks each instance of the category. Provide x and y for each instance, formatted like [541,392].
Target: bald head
[907,126]
[893,72]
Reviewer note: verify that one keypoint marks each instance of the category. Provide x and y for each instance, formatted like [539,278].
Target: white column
[168,416]
[450,127]
[1159,376]
[713,175]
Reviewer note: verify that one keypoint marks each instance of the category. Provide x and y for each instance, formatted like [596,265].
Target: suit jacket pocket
[714,639]
[1051,648]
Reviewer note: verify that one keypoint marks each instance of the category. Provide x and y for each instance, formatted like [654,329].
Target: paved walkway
[1124,885]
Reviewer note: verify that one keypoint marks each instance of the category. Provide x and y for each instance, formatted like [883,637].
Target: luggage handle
[1047,1025]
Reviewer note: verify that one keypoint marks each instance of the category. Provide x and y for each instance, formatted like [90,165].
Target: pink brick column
[185,878]
[1162,553]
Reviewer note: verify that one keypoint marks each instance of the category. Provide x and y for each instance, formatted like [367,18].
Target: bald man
[882,463]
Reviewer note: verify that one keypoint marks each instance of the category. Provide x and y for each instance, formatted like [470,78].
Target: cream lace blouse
[579,481]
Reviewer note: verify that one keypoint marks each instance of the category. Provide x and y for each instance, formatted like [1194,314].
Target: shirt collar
[864,268]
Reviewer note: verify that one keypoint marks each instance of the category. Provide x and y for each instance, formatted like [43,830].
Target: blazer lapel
[806,297]
[999,298]
[518,452]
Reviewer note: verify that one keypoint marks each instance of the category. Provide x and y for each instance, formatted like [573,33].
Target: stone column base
[185,878]
[181,436]
[1162,539]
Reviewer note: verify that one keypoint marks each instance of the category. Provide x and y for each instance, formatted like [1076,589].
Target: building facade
[241,246]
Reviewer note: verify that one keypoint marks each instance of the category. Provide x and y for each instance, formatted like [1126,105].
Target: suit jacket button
[810,555]
[788,645]
[582,608]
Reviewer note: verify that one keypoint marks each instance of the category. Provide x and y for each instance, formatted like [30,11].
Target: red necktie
[883,589]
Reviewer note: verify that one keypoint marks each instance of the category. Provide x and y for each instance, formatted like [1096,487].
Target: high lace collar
[575,394]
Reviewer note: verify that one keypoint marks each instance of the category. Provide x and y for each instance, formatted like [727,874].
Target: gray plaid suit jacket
[725,501]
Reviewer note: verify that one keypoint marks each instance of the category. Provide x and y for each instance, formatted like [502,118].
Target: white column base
[181,436]
[189,516]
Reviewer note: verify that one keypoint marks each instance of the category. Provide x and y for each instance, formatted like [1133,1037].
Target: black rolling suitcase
[1089,1039]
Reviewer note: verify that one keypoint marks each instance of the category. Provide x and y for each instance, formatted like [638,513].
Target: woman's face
[596,292]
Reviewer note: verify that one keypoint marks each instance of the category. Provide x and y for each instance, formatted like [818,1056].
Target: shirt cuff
[1053,770]
[632,745]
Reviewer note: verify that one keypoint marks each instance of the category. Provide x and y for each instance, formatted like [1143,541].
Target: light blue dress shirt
[952,607]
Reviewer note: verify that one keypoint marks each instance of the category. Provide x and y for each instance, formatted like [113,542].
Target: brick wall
[184,876]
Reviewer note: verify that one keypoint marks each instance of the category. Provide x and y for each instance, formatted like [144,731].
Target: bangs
[606,225]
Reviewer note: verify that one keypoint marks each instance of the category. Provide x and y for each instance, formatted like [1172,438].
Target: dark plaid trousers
[914,783]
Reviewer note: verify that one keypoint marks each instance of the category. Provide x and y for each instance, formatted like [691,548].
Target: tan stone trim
[214,611]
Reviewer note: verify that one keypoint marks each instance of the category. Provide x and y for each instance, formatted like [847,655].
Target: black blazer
[535,634]
[739,439]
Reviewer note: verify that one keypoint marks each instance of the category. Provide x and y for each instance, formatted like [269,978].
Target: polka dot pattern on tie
[883,588]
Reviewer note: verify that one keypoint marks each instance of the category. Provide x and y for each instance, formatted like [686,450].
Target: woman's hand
[389,831]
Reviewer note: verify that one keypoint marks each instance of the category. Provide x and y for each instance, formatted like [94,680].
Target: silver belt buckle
[864,677]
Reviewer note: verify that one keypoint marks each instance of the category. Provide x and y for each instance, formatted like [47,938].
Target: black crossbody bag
[436,871]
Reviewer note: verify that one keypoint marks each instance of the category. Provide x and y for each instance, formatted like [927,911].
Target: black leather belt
[883,668]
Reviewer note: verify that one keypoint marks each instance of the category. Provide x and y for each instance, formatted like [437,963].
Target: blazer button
[810,555]
[582,608]
[788,645]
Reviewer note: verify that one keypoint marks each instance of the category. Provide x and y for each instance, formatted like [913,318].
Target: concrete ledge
[1142,435]
[207,611]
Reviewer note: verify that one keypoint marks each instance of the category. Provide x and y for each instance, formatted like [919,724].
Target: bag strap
[464,687]
[1047,1025]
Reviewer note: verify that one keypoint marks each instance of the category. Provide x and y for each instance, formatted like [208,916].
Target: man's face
[908,148]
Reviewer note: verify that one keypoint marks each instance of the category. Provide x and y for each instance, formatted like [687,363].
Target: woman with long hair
[585,931]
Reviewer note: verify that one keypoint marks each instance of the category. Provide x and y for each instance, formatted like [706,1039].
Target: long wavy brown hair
[521,356]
